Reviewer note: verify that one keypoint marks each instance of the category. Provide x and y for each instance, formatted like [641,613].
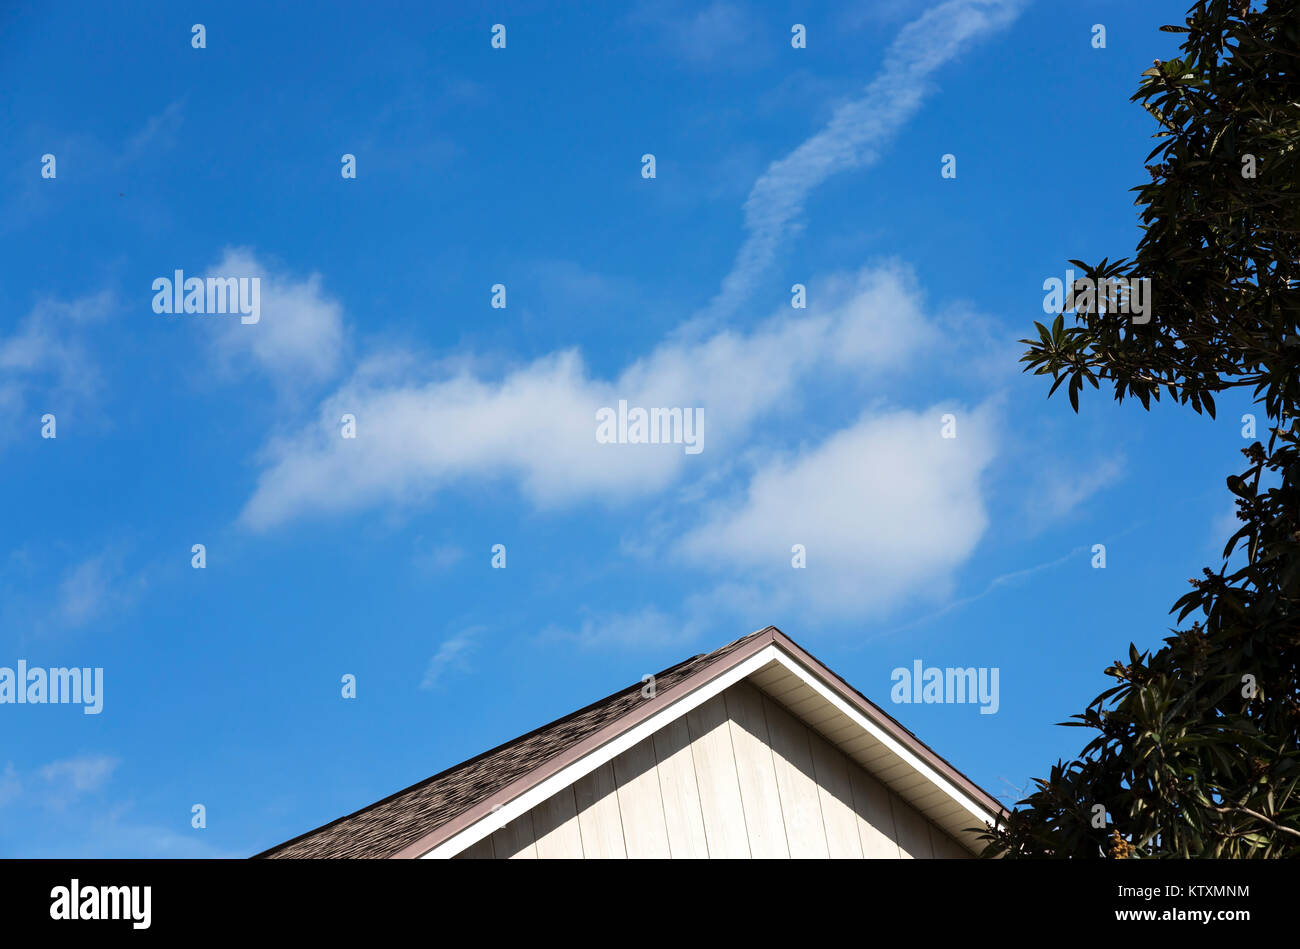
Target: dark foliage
[1196,748]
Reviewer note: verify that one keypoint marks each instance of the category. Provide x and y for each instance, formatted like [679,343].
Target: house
[754,750]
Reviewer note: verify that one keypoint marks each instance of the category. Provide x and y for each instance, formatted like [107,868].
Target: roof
[414,820]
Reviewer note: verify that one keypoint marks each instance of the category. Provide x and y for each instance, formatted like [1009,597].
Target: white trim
[607,752]
[886,739]
[525,802]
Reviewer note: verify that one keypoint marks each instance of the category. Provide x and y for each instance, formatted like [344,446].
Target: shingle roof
[410,822]
[384,828]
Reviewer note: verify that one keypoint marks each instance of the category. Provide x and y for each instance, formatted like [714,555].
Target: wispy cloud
[48,358]
[452,653]
[11,785]
[717,34]
[855,134]
[88,159]
[1005,580]
[64,782]
[84,591]
[1060,491]
[1080,554]
[423,426]
[79,775]
[423,430]
[632,628]
[59,783]
[68,805]
[92,588]
[439,558]
[160,132]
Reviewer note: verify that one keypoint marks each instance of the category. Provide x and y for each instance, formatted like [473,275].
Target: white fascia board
[882,736]
[490,823]
[525,802]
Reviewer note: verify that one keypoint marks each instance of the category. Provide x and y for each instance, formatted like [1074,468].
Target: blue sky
[372,556]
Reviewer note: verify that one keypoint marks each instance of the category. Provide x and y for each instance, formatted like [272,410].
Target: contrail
[854,135]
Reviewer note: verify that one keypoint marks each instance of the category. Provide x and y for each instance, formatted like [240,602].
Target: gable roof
[451,810]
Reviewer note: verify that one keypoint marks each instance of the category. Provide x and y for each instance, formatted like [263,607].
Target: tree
[1196,751]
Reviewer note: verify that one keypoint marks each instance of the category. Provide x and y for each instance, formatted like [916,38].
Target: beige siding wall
[737,777]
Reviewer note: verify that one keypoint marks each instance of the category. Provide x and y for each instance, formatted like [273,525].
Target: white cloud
[720,34]
[56,785]
[718,29]
[70,778]
[92,588]
[83,591]
[451,654]
[536,424]
[43,800]
[84,158]
[81,774]
[11,787]
[47,358]
[424,431]
[630,628]
[298,339]
[439,558]
[1062,491]
[568,283]
[160,133]
[855,134]
[886,509]
[113,837]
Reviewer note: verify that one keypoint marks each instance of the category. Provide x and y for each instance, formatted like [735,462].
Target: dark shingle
[385,827]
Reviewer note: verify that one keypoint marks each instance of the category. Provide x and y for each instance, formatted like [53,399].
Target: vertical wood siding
[737,777]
